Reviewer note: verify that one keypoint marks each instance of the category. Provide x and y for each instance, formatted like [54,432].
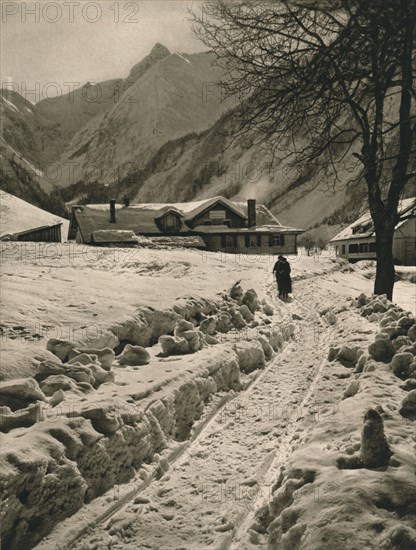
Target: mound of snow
[114,236]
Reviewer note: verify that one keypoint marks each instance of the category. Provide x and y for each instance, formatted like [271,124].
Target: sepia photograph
[208,275]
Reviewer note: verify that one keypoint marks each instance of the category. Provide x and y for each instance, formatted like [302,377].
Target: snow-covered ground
[66,290]
[234,446]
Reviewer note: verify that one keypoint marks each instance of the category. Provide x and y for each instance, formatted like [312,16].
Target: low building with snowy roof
[21,221]
[358,240]
[220,224]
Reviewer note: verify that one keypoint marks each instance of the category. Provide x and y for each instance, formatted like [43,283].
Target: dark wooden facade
[252,243]
[48,234]
[218,214]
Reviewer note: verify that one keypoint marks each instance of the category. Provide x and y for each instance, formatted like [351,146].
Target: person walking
[282,270]
[286,280]
[277,271]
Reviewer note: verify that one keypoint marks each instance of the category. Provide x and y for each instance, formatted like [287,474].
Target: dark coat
[284,281]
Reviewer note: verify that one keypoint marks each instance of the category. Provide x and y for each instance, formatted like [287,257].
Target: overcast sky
[80,41]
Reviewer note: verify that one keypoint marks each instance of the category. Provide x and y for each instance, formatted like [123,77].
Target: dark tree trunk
[385,272]
[369,59]
[385,222]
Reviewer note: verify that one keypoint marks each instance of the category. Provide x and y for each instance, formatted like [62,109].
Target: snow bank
[250,356]
[92,418]
[149,324]
[114,236]
[81,449]
[350,480]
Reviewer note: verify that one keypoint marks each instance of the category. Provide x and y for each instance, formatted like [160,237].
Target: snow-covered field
[252,439]
[68,290]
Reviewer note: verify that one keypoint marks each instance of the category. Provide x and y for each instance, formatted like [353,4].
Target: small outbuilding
[358,241]
[21,221]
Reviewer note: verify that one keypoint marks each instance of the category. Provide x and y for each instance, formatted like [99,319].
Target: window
[372,247]
[217,215]
[171,223]
[343,249]
[353,249]
[363,247]
[363,228]
[228,241]
[277,240]
[253,241]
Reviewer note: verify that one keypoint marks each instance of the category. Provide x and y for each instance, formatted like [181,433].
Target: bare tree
[308,243]
[328,83]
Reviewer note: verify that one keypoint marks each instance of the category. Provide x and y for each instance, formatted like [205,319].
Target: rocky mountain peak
[158,52]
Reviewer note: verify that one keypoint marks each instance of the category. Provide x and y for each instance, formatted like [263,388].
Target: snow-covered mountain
[28,143]
[162,133]
[163,99]
[113,128]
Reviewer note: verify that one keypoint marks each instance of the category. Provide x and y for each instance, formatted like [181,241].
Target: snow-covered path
[219,481]
[208,496]
[52,290]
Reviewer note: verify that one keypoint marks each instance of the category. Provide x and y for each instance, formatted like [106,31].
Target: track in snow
[240,538]
[217,480]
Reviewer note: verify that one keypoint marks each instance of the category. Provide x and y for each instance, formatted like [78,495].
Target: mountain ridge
[163,133]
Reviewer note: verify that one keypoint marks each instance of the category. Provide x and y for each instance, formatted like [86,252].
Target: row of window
[359,248]
[172,223]
[218,222]
[252,240]
[362,228]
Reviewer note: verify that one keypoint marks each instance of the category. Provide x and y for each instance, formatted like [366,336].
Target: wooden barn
[21,221]
[221,224]
[358,241]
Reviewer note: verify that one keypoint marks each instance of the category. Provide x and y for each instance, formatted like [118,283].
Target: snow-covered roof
[18,216]
[140,218]
[363,227]
[167,209]
[187,241]
[114,236]
[137,218]
[188,209]
[201,206]
[257,229]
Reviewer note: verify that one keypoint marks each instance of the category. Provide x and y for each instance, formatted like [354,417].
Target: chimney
[113,211]
[251,212]
[126,200]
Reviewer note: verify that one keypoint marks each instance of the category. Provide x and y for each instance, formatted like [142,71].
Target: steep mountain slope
[161,134]
[26,135]
[101,131]
[75,110]
[166,102]
[214,163]
[71,111]
[27,142]
[159,52]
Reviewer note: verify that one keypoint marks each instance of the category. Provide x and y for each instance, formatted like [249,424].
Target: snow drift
[89,418]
